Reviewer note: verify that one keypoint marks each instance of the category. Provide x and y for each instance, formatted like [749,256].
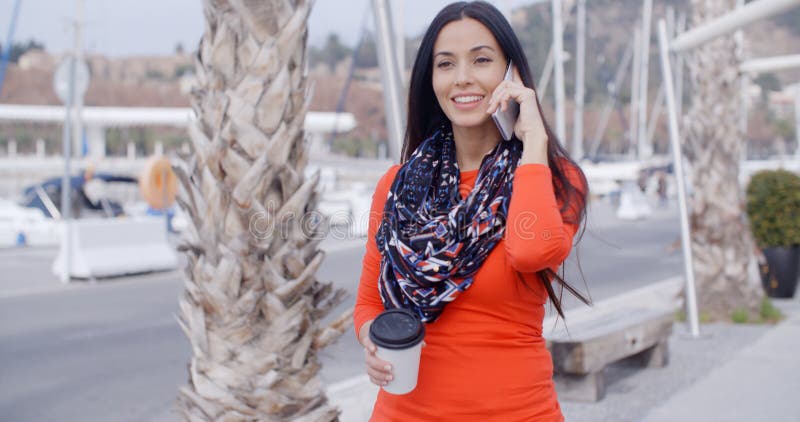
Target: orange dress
[485,357]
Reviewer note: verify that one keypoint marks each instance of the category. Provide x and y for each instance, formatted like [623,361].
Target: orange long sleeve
[485,355]
[536,235]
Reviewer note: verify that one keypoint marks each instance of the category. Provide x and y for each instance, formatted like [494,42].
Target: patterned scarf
[431,241]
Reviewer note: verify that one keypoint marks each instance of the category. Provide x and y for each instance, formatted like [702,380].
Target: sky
[153,27]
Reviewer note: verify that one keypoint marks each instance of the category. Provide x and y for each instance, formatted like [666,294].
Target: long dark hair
[425,115]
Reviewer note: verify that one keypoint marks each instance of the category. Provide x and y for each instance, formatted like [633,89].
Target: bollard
[41,150]
[131,151]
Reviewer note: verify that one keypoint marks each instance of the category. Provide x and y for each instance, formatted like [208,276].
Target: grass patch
[740,316]
[767,314]
[704,317]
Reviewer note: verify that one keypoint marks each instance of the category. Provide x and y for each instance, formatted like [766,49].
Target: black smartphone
[505,120]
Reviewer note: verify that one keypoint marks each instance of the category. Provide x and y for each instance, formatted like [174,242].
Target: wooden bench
[582,350]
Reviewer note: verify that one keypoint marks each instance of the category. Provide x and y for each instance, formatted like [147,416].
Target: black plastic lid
[396,329]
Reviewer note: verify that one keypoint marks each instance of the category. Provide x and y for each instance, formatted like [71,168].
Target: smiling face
[468,64]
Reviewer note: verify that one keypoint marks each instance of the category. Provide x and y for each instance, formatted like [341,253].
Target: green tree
[331,53]
[785,129]
[789,20]
[767,82]
[18,49]
[367,53]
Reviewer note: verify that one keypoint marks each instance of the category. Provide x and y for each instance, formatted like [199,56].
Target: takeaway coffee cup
[398,335]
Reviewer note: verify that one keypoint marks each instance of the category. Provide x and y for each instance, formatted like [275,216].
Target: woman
[448,240]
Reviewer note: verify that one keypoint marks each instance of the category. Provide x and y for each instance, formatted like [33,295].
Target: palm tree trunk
[253,307]
[721,241]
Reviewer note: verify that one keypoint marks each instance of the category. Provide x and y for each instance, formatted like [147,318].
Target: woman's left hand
[529,126]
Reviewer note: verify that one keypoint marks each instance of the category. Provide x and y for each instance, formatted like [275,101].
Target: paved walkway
[761,383]
[758,382]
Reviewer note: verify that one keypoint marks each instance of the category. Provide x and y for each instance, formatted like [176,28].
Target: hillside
[166,81]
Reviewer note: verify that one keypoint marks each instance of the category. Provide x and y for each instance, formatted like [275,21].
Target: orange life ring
[158,184]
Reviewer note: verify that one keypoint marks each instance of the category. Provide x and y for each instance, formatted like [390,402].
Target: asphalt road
[112,350]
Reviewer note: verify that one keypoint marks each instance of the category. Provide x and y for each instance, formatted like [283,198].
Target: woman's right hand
[379,371]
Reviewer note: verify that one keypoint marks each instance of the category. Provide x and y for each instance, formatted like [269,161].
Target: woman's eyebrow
[473,49]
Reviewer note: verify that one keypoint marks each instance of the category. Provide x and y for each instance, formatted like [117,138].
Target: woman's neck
[472,144]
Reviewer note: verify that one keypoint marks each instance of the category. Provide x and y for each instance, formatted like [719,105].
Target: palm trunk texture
[722,245]
[253,307]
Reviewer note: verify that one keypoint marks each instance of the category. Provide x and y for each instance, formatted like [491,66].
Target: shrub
[773,207]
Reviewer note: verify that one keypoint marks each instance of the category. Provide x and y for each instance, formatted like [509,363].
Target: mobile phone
[505,120]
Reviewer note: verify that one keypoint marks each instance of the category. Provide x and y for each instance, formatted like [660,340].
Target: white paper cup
[398,335]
